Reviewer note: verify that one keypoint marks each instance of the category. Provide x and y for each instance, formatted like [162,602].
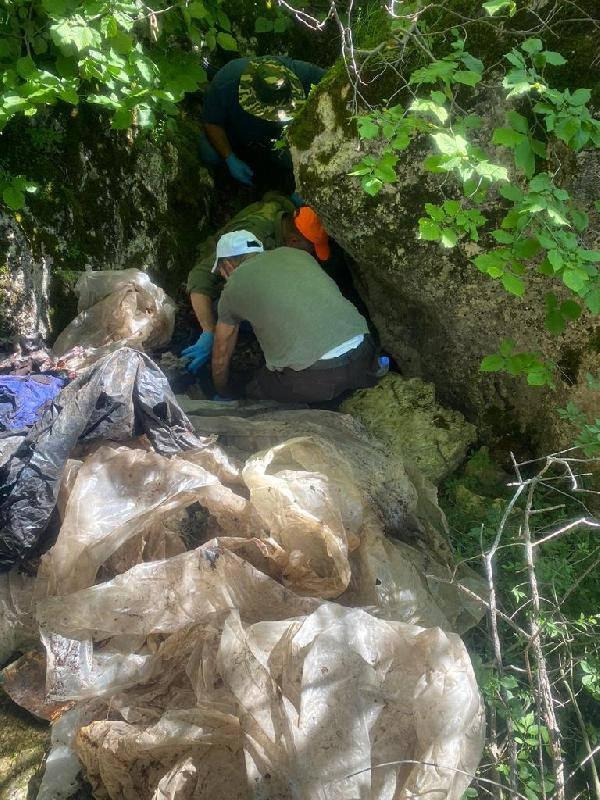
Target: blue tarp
[23,397]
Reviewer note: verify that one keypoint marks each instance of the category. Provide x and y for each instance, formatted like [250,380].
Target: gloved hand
[297,200]
[239,169]
[199,352]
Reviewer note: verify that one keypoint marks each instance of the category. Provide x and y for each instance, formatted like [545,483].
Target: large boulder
[405,416]
[105,201]
[435,313]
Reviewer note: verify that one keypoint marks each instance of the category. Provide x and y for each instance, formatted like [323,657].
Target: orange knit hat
[310,227]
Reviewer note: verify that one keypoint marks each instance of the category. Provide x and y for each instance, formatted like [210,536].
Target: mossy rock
[404,414]
[24,742]
[103,202]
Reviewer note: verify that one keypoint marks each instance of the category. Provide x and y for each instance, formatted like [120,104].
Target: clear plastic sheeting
[271,616]
[116,308]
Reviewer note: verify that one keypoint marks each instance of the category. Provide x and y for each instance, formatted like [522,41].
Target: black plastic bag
[123,395]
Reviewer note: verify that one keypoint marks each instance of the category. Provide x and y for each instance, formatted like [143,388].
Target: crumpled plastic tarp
[123,395]
[23,398]
[270,619]
[116,308]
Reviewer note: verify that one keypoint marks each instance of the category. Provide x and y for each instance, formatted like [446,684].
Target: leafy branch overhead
[542,226]
[117,54]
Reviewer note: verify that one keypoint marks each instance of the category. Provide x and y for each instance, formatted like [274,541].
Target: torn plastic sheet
[298,708]
[225,671]
[116,308]
[123,395]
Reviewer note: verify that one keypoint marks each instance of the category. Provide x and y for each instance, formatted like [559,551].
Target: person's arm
[224,345]
[203,309]
[219,139]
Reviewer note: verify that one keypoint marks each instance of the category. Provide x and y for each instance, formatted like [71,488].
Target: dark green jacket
[264,219]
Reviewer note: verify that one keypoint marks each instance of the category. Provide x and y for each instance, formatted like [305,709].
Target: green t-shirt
[297,312]
[264,219]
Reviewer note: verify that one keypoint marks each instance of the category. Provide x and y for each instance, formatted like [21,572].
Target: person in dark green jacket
[275,222]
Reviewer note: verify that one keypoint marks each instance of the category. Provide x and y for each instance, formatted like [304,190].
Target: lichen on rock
[404,414]
[435,313]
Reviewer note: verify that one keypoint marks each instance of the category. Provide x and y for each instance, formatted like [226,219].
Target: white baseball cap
[236,243]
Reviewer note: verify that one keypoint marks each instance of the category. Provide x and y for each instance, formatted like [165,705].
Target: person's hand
[239,169]
[199,352]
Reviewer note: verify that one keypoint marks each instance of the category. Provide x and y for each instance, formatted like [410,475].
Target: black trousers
[321,382]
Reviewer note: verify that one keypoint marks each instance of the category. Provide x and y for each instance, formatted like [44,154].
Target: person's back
[297,312]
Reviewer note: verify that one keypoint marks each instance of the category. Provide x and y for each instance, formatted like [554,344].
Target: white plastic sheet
[116,308]
[224,670]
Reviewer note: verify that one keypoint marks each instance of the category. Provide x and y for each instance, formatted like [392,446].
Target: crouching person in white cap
[315,343]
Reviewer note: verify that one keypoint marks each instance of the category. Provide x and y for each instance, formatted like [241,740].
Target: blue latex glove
[297,200]
[199,352]
[239,169]
[218,398]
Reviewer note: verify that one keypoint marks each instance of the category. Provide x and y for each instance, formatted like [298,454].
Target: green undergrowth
[475,501]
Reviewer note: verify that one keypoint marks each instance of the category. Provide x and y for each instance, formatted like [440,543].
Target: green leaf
[592,301]
[538,376]
[122,119]
[198,10]
[25,66]
[450,144]
[471,63]
[493,172]
[493,6]
[507,137]
[435,163]
[385,170]
[493,363]
[428,105]
[263,25]
[372,185]
[429,230]
[570,309]
[527,248]
[513,284]
[580,219]
[13,197]
[490,263]
[226,41]
[468,77]
[555,258]
[580,97]
[554,58]
[281,24]
[589,255]
[511,192]
[449,237]
[532,46]
[540,183]
[525,158]
[451,207]
[518,122]
[435,212]
[367,129]
[567,128]
[503,237]
[575,279]
[554,322]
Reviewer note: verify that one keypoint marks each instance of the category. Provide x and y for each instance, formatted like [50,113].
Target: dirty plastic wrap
[187,611]
[17,625]
[123,395]
[116,308]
